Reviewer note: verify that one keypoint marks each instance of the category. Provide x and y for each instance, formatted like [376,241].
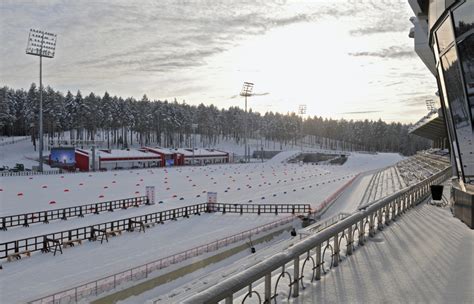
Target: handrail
[381,213]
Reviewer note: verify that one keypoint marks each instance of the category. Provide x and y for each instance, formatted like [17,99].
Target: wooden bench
[71,243]
[17,255]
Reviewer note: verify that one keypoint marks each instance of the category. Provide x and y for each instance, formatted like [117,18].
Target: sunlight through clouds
[335,56]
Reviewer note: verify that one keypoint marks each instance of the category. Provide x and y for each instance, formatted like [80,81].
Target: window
[444,35]
[459,109]
[449,123]
[466,56]
[464,18]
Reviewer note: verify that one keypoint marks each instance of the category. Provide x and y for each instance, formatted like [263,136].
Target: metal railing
[108,283]
[318,252]
[44,243]
[45,216]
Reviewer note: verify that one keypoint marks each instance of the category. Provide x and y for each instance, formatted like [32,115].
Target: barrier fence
[318,252]
[332,198]
[56,241]
[45,216]
[106,284]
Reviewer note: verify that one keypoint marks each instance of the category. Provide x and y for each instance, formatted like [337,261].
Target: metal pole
[41,117]
[245,130]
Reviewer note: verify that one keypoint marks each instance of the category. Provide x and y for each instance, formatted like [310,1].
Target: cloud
[391,52]
[383,16]
[360,112]
[253,94]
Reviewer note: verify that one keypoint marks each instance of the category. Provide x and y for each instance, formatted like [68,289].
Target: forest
[127,121]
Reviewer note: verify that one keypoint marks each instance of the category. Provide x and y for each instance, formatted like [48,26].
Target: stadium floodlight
[302,111]
[430,105]
[42,44]
[246,92]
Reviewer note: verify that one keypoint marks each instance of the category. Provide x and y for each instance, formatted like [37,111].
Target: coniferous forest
[169,124]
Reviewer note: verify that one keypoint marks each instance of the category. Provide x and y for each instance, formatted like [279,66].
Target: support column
[361,232]
[296,274]
[371,225]
[229,299]
[350,241]
[336,250]
[318,263]
[394,209]
[380,219]
[268,288]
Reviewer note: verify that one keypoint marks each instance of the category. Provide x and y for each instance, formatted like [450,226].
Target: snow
[132,153]
[405,263]
[19,152]
[201,152]
[409,261]
[43,274]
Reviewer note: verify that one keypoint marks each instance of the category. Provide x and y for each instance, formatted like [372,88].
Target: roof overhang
[431,126]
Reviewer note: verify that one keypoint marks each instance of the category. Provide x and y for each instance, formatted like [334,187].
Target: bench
[17,255]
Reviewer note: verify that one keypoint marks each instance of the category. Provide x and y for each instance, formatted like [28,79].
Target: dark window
[466,56]
[444,35]
[459,109]
[449,123]
[464,17]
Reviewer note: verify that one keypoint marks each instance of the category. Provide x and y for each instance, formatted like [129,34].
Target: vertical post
[296,273]
[380,218]
[268,287]
[229,299]
[41,113]
[361,232]
[371,225]
[350,241]
[336,250]
[245,129]
[318,262]
[394,209]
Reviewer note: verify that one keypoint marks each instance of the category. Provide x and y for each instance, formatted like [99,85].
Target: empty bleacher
[405,173]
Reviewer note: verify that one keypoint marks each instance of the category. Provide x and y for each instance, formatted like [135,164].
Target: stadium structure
[444,40]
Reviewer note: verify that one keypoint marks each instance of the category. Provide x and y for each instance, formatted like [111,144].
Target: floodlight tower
[430,105]
[302,111]
[42,44]
[246,92]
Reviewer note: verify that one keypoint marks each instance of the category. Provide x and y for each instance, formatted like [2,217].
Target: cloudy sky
[342,58]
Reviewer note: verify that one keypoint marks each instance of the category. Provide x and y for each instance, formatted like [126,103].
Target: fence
[317,250]
[64,213]
[111,282]
[101,231]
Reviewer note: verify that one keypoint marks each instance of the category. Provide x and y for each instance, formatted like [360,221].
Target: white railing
[320,251]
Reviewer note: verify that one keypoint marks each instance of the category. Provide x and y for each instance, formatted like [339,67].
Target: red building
[169,157]
[117,159]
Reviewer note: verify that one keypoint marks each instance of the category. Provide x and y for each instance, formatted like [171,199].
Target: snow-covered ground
[423,257]
[257,183]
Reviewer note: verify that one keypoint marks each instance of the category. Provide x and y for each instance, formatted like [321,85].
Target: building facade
[444,40]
